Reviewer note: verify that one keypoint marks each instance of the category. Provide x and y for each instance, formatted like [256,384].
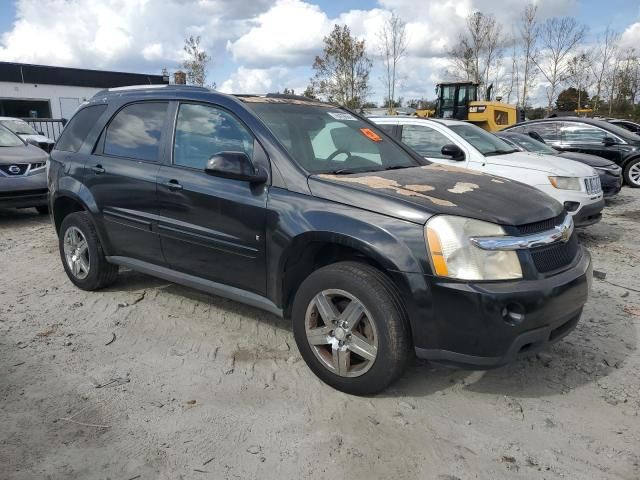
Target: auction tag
[371,135]
[342,116]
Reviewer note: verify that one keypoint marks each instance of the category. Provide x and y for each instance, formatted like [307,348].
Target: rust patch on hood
[463,187]
[373,181]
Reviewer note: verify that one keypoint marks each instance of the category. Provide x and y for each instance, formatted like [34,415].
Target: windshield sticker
[342,116]
[371,135]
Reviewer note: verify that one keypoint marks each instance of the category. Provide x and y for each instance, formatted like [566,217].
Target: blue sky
[264,45]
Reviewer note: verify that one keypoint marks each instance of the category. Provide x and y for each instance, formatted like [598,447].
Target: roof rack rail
[154,86]
[287,96]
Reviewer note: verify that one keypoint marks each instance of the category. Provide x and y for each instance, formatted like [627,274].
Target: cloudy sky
[263,45]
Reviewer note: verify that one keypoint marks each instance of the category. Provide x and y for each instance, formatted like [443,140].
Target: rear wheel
[350,328]
[632,173]
[82,254]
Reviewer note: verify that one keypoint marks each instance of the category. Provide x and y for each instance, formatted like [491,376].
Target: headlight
[613,169]
[453,255]
[565,183]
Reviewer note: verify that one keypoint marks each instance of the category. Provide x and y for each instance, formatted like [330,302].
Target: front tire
[632,173]
[351,328]
[82,255]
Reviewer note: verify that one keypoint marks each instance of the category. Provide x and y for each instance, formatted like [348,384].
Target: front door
[585,138]
[428,142]
[121,175]
[212,227]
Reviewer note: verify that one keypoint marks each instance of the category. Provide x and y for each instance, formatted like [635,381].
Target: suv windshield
[8,139]
[326,139]
[19,127]
[485,142]
[530,144]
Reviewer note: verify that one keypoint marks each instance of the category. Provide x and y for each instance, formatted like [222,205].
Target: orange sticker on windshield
[371,135]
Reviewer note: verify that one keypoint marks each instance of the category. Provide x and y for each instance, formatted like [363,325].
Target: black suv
[310,211]
[588,135]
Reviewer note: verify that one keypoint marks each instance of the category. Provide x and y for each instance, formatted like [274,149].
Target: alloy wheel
[341,333]
[76,252]
[634,173]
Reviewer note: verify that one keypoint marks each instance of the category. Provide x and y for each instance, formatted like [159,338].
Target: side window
[387,128]
[202,131]
[424,140]
[547,130]
[135,131]
[574,132]
[76,131]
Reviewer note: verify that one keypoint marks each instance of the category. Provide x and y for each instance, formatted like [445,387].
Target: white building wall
[63,100]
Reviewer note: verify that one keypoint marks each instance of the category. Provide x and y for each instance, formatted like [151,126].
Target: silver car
[23,179]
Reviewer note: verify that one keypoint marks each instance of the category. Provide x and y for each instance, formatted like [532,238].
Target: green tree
[342,71]
[568,99]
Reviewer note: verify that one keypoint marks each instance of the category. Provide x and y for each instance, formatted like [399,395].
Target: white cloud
[138,35]
[631,36]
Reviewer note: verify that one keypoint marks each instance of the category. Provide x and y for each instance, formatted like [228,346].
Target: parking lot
[151,380]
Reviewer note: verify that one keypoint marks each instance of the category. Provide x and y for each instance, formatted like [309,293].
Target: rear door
[121,175]
[212,227]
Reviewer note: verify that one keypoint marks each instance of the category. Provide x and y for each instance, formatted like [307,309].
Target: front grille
[555,256]
[541,226]
[14,170]
[592,185]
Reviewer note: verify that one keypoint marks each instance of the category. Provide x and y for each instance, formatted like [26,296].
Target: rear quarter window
[76,131]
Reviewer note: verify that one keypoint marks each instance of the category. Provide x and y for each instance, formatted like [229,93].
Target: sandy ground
[198,387]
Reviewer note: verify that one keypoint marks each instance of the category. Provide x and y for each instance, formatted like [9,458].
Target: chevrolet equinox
[311,212]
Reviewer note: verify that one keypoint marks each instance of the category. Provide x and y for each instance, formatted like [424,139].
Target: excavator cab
[454,98]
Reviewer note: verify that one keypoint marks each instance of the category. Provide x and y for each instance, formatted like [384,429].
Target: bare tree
[196,61]
[579,74]
[604,54]
[393,48]
[342,72]
[559,38]
[529,33]
[478,54]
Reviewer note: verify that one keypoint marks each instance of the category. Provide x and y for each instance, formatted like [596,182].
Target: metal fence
[50,127]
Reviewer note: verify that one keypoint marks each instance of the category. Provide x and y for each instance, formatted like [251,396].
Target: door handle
[173,185]
[98,169]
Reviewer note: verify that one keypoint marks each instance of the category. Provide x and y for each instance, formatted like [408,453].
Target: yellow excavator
[459,101]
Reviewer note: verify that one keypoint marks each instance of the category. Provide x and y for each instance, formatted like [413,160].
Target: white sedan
[453,142]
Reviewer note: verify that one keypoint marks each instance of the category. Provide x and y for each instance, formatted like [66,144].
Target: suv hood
[549,164]
[22,154]
[415,194]
[591,160]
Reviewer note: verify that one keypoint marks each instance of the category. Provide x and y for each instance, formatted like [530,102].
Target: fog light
[571,206]
[513,314]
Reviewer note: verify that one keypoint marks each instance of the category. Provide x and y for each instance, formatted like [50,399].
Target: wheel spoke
[83,266]
[341,360]
[352,313]
[76,267]
[325,307]
[319,336]
[82,246]
[360,346]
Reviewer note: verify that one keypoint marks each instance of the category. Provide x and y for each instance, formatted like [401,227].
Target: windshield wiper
[397,167]
[347,171]
[499,152]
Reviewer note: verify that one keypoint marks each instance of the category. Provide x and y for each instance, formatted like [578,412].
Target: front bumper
[611,184]
[24,191]
[470,325]
[588,214]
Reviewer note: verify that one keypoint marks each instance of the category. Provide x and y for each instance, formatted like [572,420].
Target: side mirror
[608,141]
[236,166]
[453,151]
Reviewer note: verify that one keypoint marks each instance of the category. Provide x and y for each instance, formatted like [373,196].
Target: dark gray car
[23,179]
